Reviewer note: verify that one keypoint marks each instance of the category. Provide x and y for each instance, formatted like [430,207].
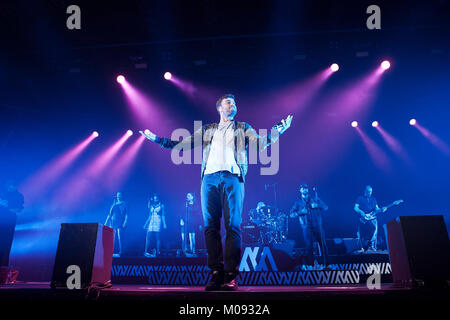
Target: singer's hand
[148,134]
[285,124]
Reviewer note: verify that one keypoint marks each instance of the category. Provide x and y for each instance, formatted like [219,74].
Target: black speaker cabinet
[419,250]
[88,246]
[341,246]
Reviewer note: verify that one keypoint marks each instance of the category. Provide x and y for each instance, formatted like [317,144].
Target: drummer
[257,215]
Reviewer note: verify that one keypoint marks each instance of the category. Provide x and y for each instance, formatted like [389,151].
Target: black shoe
[216,281]
[230,282]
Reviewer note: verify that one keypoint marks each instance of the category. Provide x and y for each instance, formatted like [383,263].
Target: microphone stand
[185,228]
[274,185]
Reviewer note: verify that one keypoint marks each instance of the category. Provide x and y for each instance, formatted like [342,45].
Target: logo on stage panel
[258,260]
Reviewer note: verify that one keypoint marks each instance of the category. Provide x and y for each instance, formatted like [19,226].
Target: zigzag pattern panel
[198,276]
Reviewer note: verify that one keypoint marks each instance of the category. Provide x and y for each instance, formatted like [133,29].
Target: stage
[304,144]
[42,291]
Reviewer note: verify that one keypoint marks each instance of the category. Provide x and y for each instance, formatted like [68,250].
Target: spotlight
[147,131]
[354,124]
[95,134]
[120,79]
[412,122]
[375,124]
[167,76]
[385,64]
[129,132]
[334,67]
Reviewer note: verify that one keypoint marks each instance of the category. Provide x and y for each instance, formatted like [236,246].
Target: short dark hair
[154,195]
[225,96]
[304,185]
[11,182]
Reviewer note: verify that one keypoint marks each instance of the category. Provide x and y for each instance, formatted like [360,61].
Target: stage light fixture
[354,124]
[413,122]
[334,67]
[385,64]
[167,76]
[375,124]
[120,79]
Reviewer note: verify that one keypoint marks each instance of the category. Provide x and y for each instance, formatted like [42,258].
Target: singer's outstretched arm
[194,140]
[264,141]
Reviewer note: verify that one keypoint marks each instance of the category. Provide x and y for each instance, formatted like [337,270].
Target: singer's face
[304,192]
[368,191]
[119,196]
[228,108]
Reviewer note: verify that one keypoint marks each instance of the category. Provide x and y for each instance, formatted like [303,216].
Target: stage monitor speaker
[352,245]
[86,245]
[342,246]
[287,247]
[419,250]
[335,246]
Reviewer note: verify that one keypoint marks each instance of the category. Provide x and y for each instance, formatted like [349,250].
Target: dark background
[58,85]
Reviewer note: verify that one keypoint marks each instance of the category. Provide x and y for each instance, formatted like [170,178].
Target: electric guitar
[373,214]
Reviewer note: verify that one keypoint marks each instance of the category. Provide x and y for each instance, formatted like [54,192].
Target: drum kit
[266,226]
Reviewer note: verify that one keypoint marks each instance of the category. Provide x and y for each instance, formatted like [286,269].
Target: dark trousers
[7,227]
[117,240]
[368,234]
[222,193]
[313,233]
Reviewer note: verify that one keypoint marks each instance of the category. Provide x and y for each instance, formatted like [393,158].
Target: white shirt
[221,154]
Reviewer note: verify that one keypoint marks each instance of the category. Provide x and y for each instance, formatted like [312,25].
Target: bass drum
[250,233]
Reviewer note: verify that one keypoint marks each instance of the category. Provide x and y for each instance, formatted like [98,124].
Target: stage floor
[42,291]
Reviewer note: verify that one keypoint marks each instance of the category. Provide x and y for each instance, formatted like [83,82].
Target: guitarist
[367,228]
[11,203]
[309,209]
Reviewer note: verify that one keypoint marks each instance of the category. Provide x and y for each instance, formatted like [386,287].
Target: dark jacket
[300,204]
[244,136]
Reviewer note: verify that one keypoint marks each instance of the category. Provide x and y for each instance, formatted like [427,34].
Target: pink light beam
[85,181]
[434,140]
[378,156]
[146,111]
[187,87]
[36,185]
[394,144]
[122,166]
